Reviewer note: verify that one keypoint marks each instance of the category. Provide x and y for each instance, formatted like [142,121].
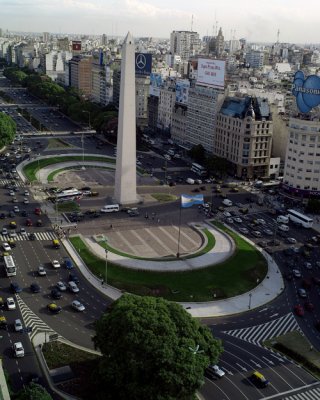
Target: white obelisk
[125,191]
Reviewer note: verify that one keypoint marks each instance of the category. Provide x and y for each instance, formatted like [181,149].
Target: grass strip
[53,174]
[235,276]
[164,197]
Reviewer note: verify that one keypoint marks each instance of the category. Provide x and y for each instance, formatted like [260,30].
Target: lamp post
[82,141]
[89,113]
[250,296]
[106,266]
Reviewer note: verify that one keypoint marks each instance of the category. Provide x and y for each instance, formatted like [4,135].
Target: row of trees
[216,166]
[69,100]
[7,129]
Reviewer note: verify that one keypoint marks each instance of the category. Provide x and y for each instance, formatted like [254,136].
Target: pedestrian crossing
[32,322]
[18,183]
[312,394]
[38,236]
[259,333]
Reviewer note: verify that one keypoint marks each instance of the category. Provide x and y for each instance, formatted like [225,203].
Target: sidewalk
[263,293]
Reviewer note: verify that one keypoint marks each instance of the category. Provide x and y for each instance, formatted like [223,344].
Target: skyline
[257,22]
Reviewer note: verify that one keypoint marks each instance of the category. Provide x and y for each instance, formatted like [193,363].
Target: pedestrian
[102,282]
[158,220]
[111,226]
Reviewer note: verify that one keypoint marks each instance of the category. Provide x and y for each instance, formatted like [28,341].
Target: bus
[198,169]
[68,195]
[10,267]
[110,208]
[300,219]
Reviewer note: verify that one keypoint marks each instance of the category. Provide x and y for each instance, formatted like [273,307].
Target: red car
[37,211]
[298,309]
[309,306]
[28,222]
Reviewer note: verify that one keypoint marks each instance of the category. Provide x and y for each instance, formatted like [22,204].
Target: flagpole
[179,234]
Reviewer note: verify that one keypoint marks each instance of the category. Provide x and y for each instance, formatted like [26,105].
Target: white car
[26,193]
[12,193]
[18,325]
[18,349]
[25,200]
[244,230]
[23,231]
[6,247]
[61,286]
[296,273]
[16,209]
[237,219]
[4,231]
[291,240]
[11,304]
[230,220]
[55,264]
[42,271]
[227,214]
[260,221]
[73,287]
[13,234]
[77,305]
[217,370]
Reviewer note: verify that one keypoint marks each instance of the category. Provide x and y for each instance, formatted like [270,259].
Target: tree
[216,165]
[7,129]
[33,392]
[152,349]
[313,206]
[198,153]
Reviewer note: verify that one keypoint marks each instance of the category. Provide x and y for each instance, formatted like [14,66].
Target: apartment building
[80,69]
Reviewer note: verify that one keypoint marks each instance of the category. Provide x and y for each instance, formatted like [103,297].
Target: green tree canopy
[198,153]
[33,392]
[152,349]
[7,129]
[313,206]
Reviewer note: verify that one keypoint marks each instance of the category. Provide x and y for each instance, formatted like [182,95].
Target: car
[274,242]
[15,287]
[6,246]
[291,240]
[18,349]
[28,222]
[77,305]
[268,232]
[35,288]
[4,231]
[56,294]
[259,379]
[55,264]
[32,236]
[16,209]
[14,200]
[18,325]
[216,370]
[42,271]
[298,309]
[2,215]
[73,278]
[61,286]
[68,263]
[24,213]
[23,231]
[309,306]
[262,244]
[229,220]
[12,193]
[13,234]
[26,193]
[73,287]
[244,230]
[256,234]
[226,214]
[37,211]
[238,220]
[12,224]
[302,293]
[54,308]
[296,273]
[308,265]
[12,214]
[11,305]
[260,221]
[25,200]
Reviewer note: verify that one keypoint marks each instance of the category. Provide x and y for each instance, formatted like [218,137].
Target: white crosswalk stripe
[311,394]
[257,334]
[4,182]
[38,235]
[31,320]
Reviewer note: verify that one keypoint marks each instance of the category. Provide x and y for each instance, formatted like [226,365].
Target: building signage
[143,64]
[155,84]
[182,91]
[76,45]
[211,73]
[306,91]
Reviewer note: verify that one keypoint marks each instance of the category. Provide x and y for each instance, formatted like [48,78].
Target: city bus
[10,267]
[198,169]
[68,195]
[299,218]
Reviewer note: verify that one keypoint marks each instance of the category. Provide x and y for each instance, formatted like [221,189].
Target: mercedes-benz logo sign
[141,61]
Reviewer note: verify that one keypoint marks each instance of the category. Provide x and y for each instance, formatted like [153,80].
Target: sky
[255,20]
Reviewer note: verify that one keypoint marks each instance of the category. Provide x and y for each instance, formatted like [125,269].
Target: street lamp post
[250,296]
[106,266]
[88,112]
[82,141]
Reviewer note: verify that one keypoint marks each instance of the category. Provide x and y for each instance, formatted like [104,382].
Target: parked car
[77,305]
[217,371]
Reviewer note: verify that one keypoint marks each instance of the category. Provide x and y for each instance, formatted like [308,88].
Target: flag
[188,201]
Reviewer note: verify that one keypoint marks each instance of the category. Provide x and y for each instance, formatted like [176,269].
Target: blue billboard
[306,91]
[143,64]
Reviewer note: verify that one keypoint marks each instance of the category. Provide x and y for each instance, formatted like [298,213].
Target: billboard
[211,72]
[306,91]
[182,91]
[155,84]
[143,64]
[76,45]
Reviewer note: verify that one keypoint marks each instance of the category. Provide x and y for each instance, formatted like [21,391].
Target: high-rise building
[142,93]
[167,101]
[243,136]
[185,44]
[179,123]
[153,106]
[104,40]
[81,74]
[98,93]
[255,58]
[216,44]
[46,37]
[302,163]
[63,44]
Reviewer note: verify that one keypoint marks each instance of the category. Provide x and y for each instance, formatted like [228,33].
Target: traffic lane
[73,325]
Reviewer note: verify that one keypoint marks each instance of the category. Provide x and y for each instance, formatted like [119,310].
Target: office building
[167,101]
[255,58]
[80,68]
[99,83]
[185,44]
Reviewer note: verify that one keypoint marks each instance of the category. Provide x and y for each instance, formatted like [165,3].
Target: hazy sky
[256,20]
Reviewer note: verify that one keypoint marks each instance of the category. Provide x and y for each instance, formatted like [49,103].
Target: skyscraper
[184,43]
[125,191]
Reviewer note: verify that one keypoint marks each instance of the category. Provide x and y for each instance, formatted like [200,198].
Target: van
[259,379]
[56,243]
[284,228]
[171,152]
[282,219]
[190,181]
[110,208]
[227,202]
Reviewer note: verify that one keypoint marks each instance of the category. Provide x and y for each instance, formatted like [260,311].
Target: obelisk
[125,190]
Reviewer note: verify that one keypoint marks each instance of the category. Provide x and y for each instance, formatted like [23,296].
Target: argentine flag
[188,201]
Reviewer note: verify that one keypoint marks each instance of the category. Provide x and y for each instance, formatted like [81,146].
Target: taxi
[3,322]
[259,379]
[54,308]
[13,224]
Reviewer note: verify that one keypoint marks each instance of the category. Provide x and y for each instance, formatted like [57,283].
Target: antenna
[278,34]
[192,23]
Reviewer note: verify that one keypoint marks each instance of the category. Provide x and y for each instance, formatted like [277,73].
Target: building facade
[98,92]
[244,136]
[167,101]
[81,74]
[179,123]
[302,163]
[185,44]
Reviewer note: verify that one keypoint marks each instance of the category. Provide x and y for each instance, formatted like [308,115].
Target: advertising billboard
[143,64]
[155,84]
[182,91]
[76,45]
[306,91]
[211,72]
